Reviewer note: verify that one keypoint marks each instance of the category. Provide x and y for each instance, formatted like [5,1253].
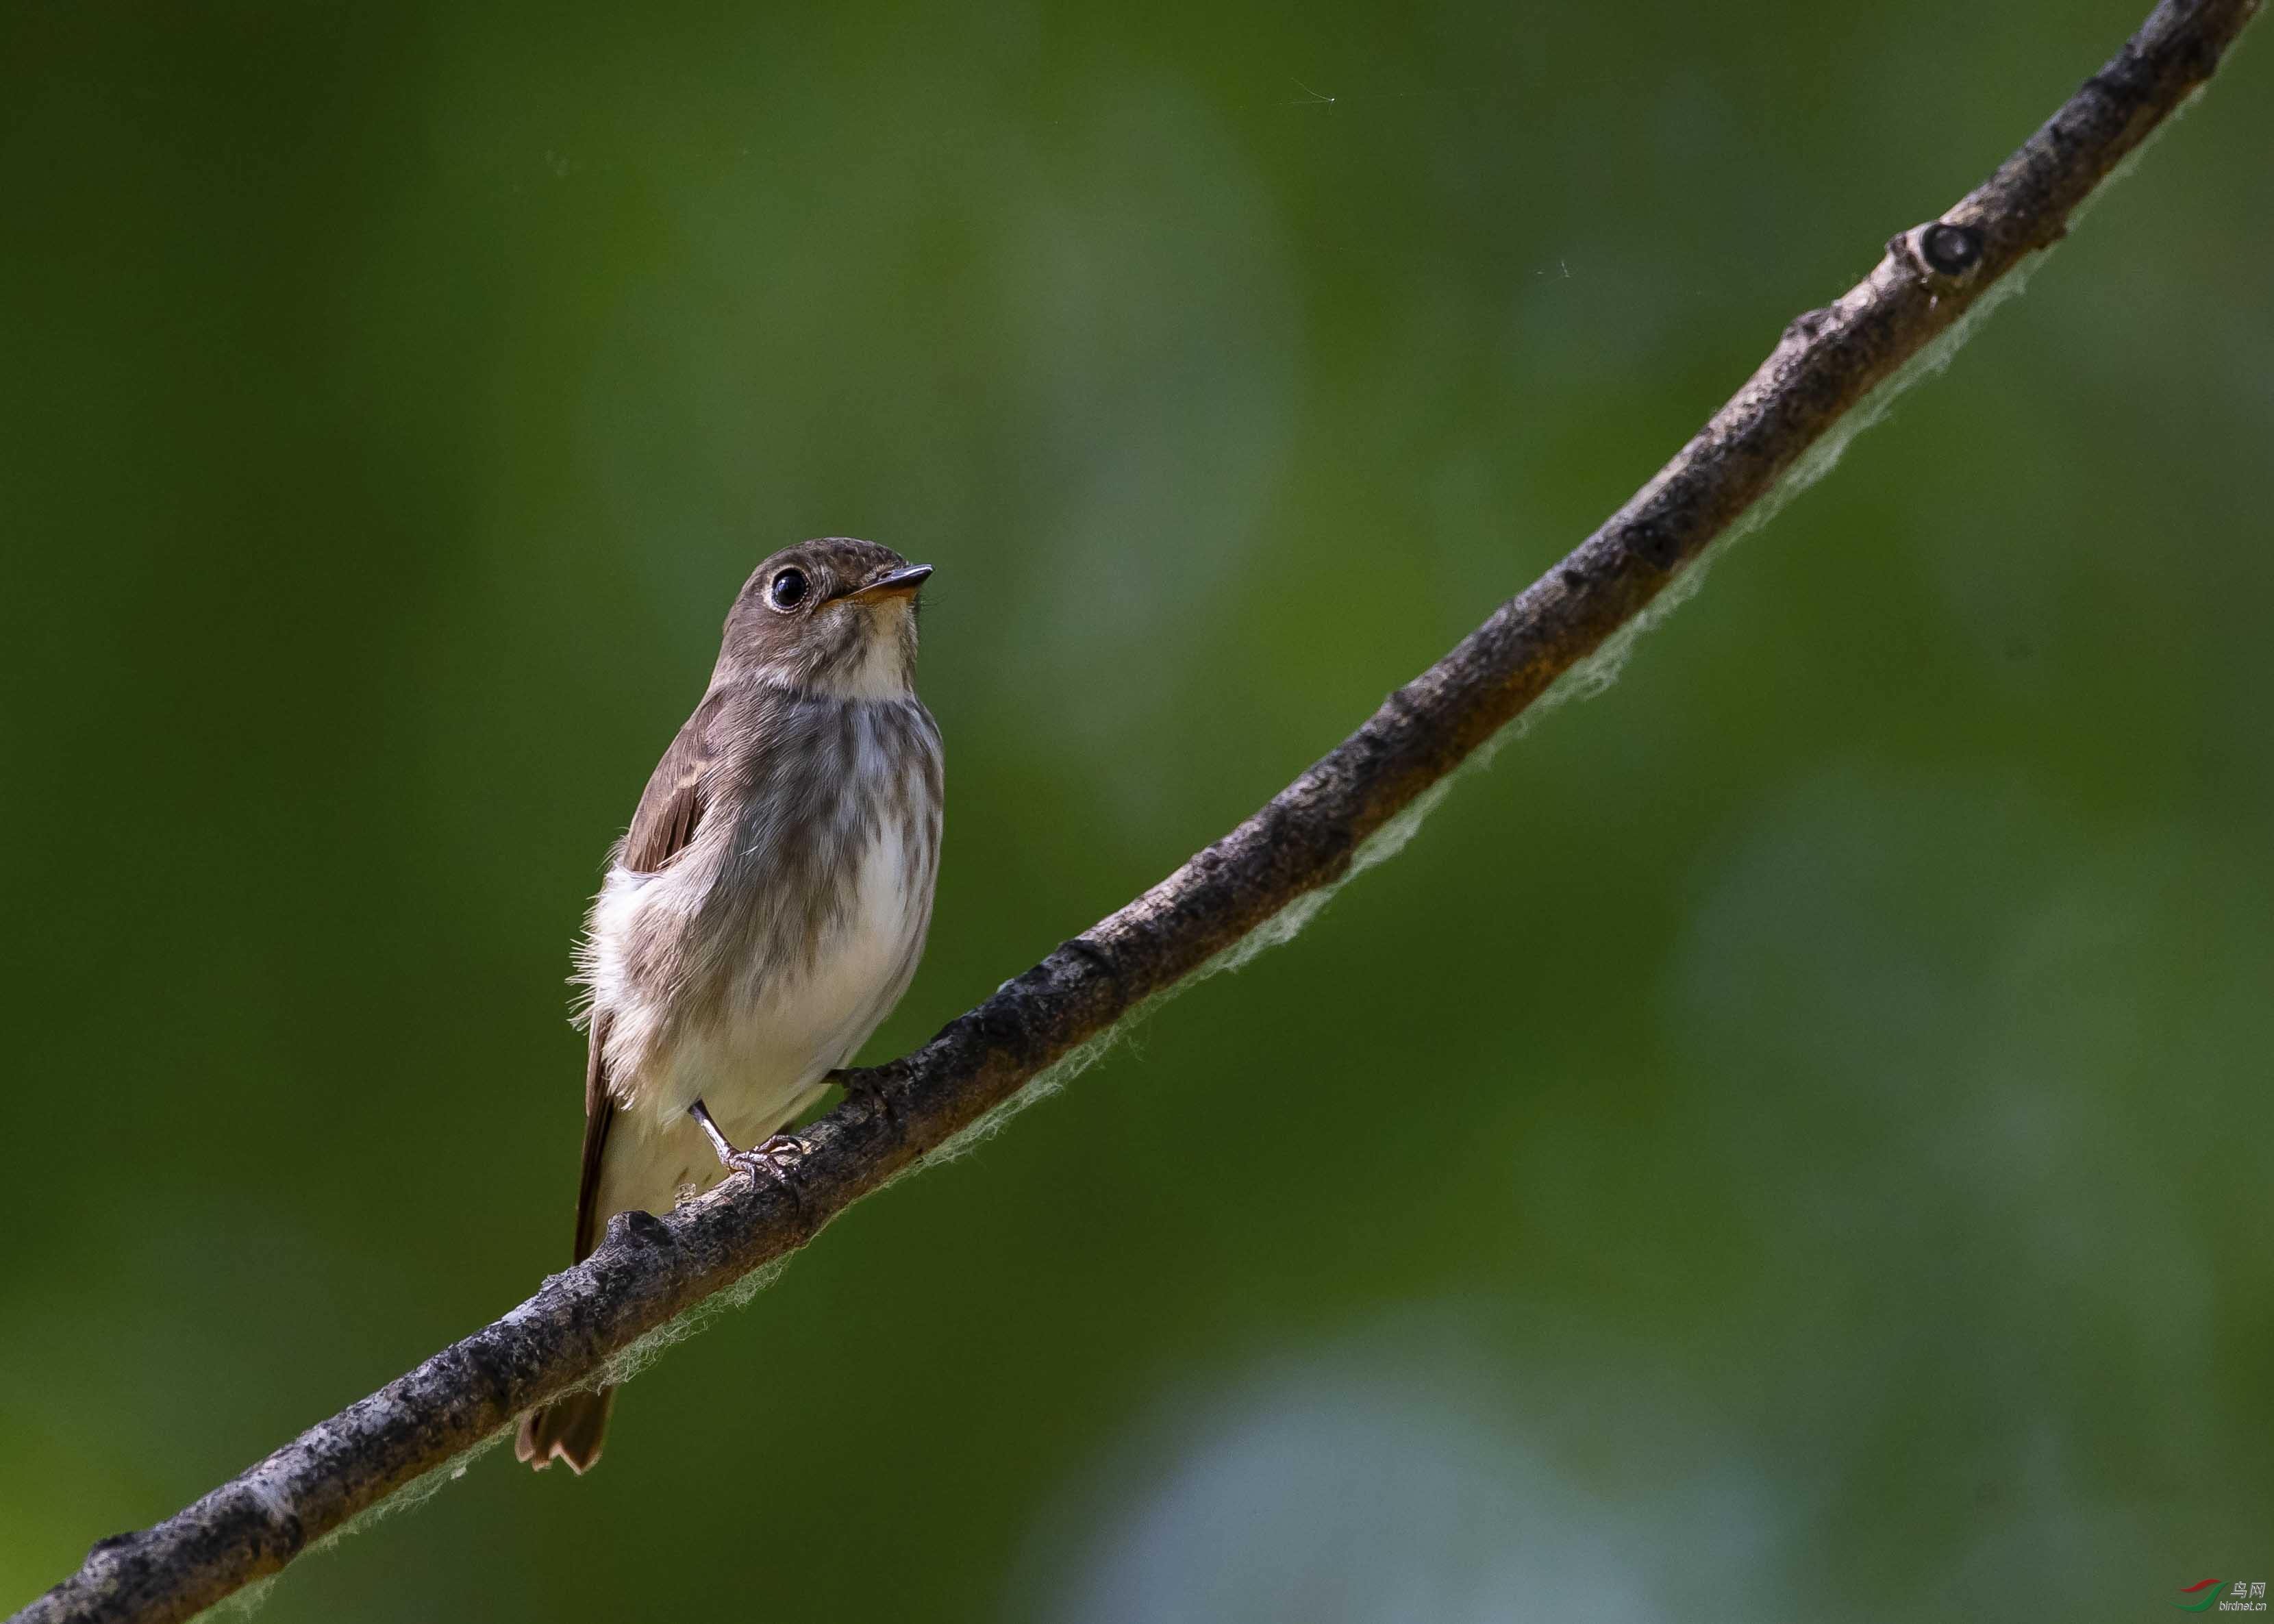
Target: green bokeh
[1791,1139]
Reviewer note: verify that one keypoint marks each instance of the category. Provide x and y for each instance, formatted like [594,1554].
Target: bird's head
[835,616]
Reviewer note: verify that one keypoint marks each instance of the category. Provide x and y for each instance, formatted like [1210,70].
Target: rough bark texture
[650,1270]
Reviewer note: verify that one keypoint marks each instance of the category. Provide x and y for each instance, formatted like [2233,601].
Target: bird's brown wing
[670,811]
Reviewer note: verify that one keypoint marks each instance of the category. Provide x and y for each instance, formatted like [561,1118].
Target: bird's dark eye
[788,589]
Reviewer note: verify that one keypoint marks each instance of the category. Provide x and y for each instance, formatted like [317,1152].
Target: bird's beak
[897,584]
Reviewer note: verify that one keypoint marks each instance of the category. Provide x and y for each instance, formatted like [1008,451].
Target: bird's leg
[766,1158]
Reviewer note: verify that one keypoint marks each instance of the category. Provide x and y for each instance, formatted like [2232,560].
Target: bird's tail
[569,1429]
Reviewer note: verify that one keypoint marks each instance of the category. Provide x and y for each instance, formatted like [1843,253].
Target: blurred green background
[1792,1139]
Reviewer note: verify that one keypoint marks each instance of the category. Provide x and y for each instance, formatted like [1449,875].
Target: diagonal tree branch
[652,1270]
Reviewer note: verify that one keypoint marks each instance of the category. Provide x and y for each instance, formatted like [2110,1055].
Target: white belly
[781,1035]
[760,1058]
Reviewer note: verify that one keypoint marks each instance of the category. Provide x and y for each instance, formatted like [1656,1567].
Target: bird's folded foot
[866,1086]
[770,1160]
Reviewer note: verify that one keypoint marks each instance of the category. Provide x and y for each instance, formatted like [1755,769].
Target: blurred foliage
[1791,1139]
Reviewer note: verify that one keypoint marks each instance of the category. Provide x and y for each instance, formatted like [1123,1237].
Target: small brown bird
[767,907]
